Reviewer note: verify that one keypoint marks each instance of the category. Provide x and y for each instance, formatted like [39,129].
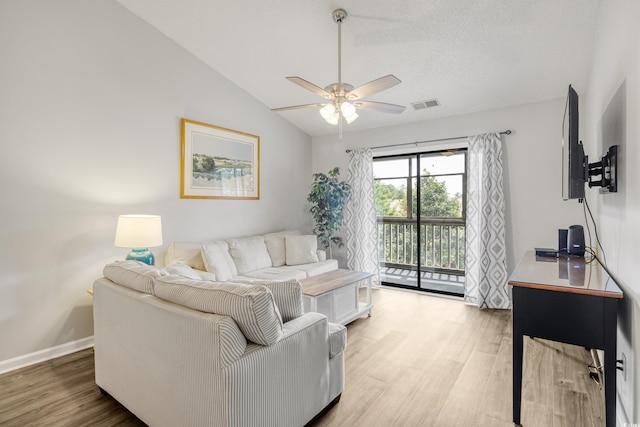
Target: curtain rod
[506,132]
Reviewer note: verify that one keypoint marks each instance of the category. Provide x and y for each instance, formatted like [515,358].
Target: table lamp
[139,232]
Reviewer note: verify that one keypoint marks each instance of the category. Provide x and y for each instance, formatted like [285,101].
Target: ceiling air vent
[430,103]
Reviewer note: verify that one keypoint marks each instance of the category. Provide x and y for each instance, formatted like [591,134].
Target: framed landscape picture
[218,163]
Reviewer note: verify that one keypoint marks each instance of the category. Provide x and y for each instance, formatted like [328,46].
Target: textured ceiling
[471,55]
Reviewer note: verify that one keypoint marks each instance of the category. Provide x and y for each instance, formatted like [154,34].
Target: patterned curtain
[486,266]
[360,216]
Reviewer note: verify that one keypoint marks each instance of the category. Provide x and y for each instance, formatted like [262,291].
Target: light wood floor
[418,361]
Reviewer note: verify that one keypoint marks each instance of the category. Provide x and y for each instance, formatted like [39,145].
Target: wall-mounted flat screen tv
[574,162]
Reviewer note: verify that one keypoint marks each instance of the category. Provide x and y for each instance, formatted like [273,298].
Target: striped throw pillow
[286,293]
[180,270]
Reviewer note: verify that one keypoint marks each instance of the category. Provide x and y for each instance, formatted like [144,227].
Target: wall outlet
[624,378]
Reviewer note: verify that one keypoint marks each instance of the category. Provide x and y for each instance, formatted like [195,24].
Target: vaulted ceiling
[471,55]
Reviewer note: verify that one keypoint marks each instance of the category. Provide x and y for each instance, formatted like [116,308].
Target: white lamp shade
[333,120]
[351,118]
[138,231]
[348,109]
[327,111]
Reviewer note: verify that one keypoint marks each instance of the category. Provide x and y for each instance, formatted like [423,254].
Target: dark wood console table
[570,301]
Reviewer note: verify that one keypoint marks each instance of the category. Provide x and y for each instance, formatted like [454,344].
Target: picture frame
[218,163]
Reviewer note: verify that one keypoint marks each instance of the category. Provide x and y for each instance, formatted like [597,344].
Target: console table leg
[518,344]
[517,377]
[610,352]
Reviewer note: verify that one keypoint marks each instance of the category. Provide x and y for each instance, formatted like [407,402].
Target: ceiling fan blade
[381,107]
[374,86]
[295,107]
[309,86]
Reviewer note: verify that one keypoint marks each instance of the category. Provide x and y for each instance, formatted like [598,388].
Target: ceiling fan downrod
[339,15]
[339,90]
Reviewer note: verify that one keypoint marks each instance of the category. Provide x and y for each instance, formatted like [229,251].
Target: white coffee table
[336,295]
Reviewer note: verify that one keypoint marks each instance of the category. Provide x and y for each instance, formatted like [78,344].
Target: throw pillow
[249,254]
[185,253]
[252,307]
[206,275]
[275,246]
[132,274]
[218,261]
[287,295]
[181,270]
[301,249]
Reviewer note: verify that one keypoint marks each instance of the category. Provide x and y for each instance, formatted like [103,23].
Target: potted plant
[328,197]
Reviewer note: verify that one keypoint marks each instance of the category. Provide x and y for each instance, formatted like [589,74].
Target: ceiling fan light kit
[328,111]
[340,94]
[347,109]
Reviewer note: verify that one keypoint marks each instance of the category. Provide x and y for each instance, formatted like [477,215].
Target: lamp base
[142,255]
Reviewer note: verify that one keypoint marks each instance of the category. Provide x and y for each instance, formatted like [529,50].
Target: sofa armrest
[290,378]
[301,323]
[337,339]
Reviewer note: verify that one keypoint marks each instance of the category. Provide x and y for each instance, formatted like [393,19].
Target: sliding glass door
[420,200]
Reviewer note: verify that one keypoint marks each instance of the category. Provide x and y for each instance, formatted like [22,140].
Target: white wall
[91,99]
[532,165]
[611,117]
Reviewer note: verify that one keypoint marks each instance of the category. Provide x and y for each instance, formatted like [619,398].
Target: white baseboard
[44,355]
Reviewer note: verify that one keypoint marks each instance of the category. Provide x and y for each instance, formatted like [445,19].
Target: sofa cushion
[275,246]
[252,307]
[313,269]
[180,270]
[287,295]
[185,253]
[275,273]
[301,249]
[218,261]
[249,253]
[132,274]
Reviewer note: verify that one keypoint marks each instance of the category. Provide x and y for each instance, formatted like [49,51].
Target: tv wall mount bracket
[606,169]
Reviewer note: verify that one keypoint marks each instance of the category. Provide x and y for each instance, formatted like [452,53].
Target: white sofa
[274,256]
[177,350]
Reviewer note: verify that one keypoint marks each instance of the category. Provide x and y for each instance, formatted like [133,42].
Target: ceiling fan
[343,99]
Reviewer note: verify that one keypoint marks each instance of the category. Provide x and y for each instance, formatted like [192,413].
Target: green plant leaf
[328,197]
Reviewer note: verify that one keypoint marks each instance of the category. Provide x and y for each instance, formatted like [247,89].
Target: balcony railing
[442,244]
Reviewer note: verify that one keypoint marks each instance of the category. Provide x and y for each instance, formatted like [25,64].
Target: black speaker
[575,240]
[562,241]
